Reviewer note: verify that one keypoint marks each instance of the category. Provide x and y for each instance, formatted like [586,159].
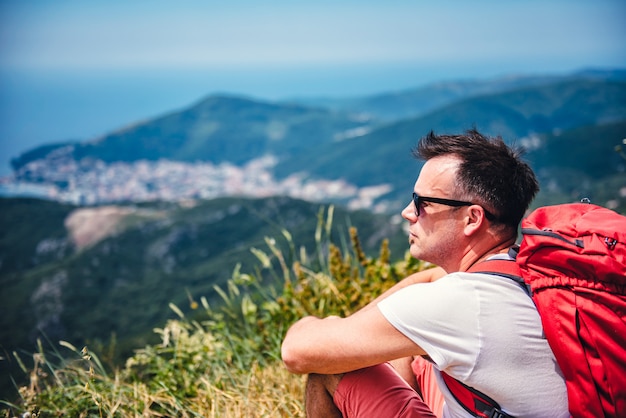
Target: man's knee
[378,391]
[319,395]
[403,367]
[326,382]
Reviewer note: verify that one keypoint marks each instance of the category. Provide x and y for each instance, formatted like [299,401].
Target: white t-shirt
[485,331]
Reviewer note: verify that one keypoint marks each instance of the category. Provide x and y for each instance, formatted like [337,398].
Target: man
[481,329]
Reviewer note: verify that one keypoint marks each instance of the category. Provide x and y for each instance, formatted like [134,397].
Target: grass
[225,360]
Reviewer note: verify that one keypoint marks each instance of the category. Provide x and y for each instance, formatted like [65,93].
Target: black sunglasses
[417,201]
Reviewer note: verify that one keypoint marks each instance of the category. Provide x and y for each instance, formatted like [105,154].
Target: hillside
[514,115]
[216,129]
[230,120]
[581,162]
[306,147]
[411,103]
[238,129]
[56,284]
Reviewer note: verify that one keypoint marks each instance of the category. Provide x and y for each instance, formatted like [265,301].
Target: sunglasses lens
[416,203]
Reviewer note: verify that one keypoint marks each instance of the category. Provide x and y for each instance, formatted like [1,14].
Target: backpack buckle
[497,413]
[610,243]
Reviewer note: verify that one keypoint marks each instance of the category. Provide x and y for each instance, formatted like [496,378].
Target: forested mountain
[520,116]
[410,103]
[216,129]
[239,129]
[348,143]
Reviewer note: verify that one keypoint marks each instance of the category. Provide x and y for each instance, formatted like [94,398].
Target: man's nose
[408,212]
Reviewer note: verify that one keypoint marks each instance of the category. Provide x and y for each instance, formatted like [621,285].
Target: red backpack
[573,259]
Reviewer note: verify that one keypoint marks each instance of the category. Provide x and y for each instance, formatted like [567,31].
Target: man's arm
[337,345]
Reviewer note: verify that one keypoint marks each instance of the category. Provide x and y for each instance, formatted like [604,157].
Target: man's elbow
[294,357]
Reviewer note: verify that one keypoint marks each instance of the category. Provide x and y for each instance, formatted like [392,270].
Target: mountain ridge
[406,98]
[413,102]
[498,114]
[305,148]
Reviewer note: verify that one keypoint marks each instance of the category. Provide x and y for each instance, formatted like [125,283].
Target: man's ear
[475,219]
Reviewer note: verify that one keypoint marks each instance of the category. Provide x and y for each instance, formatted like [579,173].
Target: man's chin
[414,249]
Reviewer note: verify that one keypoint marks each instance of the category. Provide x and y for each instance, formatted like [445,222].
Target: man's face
[435,229]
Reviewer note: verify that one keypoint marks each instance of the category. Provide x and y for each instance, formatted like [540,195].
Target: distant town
[92,182]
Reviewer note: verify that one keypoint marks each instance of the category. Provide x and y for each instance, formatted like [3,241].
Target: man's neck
[473,256]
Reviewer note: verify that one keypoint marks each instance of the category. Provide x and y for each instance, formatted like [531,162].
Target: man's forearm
[334,345]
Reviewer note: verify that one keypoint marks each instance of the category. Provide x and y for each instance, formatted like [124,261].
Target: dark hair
[491,173]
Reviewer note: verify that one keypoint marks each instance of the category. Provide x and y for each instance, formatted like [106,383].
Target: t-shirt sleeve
[440,317]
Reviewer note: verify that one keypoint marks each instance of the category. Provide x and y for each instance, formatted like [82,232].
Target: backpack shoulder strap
[475,402]
[503,268]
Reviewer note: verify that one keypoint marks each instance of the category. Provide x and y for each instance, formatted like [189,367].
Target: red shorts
[379,392]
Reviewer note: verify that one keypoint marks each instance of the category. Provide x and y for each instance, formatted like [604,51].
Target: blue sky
[157,34]
[74,69]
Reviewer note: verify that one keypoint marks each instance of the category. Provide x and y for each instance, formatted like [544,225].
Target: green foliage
[225,361]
